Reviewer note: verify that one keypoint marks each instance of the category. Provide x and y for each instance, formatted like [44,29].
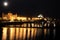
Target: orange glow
[21,18]
[24,33]
[45,19]
[4,36]
[35,18]
[25,25]
[28,35]
[19,33]
[18,18]
[5,18]
[28,24]
[32,24]
[33,32]
[12,31]
[12,17]
[29,19]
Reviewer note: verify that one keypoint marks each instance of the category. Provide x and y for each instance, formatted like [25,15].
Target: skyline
[30,7]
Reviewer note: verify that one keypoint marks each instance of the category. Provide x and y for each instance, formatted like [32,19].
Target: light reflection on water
[16,33]
[19,33]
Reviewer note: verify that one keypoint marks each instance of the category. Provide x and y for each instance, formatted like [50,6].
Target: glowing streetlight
[5,3]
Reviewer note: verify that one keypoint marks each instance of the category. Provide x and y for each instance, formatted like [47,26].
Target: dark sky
[30,7]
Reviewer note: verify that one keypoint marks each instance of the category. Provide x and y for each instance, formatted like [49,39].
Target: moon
[5,3]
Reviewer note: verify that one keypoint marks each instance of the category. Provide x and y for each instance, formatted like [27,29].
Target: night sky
[30,7]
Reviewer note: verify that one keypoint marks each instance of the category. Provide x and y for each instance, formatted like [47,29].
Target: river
[21,32]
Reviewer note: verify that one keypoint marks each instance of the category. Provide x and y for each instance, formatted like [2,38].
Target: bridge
[30,22]
[2,23]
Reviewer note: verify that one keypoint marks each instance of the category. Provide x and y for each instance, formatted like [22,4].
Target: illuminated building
[10,16]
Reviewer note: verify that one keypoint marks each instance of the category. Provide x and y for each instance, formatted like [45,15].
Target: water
[22,32]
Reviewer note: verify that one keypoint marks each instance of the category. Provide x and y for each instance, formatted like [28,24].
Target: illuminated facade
[12,17]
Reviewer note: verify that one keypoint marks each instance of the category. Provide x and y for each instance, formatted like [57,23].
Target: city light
[40,15]
[10,17]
